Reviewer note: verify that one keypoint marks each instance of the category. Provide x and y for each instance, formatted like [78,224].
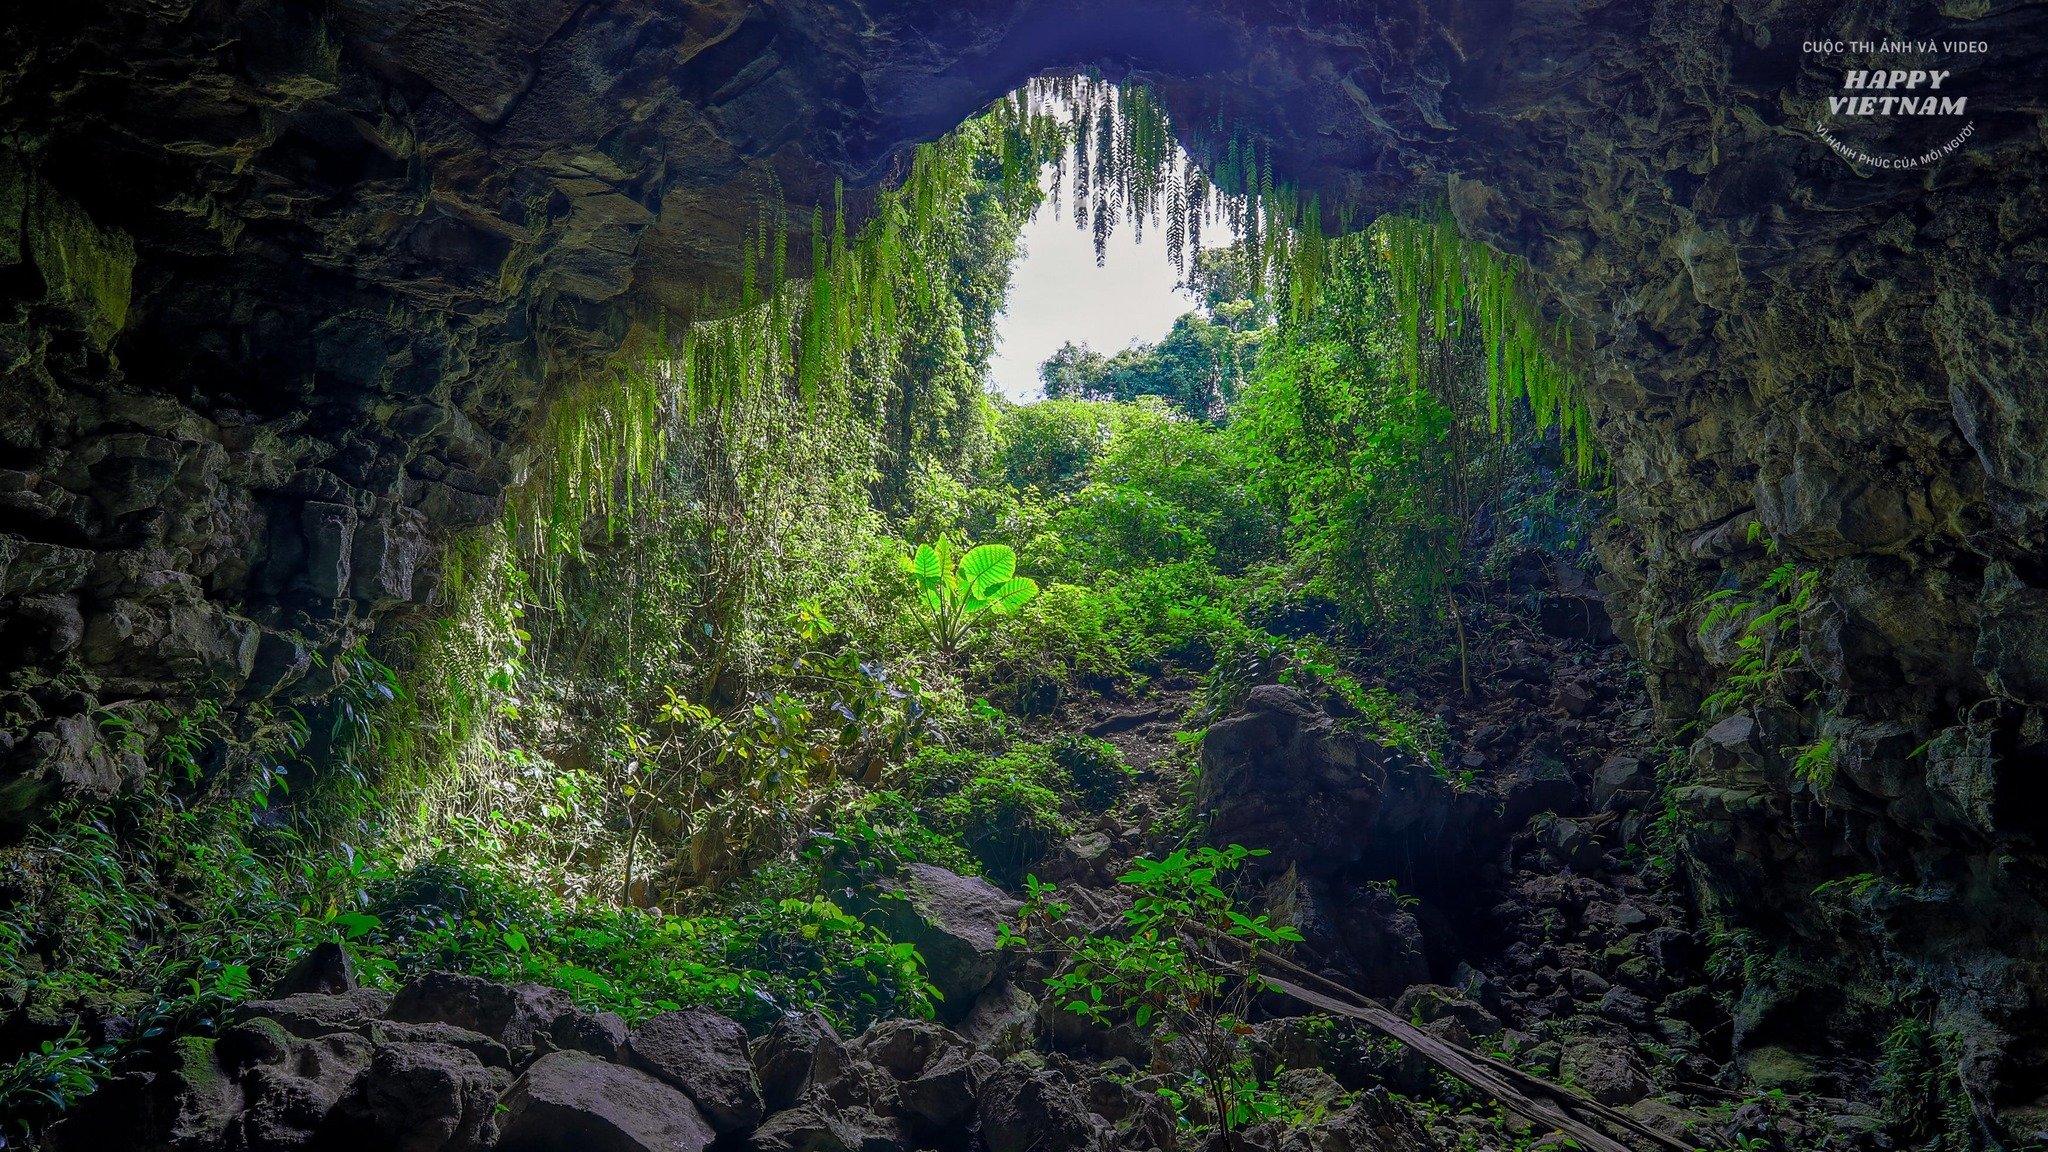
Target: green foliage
[1309,665]
[1166,973]
[1004,809]
[1442,282]
[957,589]
[1815,764]
[45,1083]
[1199,367]
[1765,628]
[772,955]
[1388,447]
[1095,770]
[885,828]
[1048,446]
[1923,1098]
[692,668]
[170,904]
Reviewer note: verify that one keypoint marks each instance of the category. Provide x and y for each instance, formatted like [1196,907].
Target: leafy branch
[1157,975]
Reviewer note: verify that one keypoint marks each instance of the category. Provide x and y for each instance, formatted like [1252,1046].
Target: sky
[1057,294]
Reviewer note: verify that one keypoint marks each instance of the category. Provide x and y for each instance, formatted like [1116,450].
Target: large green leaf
[925,565]
[1011,595]
[985,567]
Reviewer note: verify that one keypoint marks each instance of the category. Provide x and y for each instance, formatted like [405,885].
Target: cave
[289,290]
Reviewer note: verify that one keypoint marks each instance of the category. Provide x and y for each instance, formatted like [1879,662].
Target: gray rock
[800,1051]
[601,1034]
[705,1055]
[327,968]
[814,1127]
[514,1015]
[487,1051]
[1280,774]
[1079,859]
[421,1098]
[1541,783]
[1622,781]
[1431,1002]
[1023,1110]
[310,1014]
[1625,1007]
[1003,1021]
[1604,1069]
[290,1094]
[935,1072]
[952,919]
[575,1100]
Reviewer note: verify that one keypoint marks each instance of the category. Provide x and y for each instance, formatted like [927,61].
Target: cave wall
[284,285]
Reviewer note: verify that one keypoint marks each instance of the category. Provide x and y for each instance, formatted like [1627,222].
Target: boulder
[1375,1122]
[601,1034]
[952,919]
[1003,1021]
[1541,783]
[514,1015]
[1082,859]
[290,1094]
[1025,1110]
[1623,781]
[421,1098]
[1427,1003]
[816,1127]
[935,1073]
[573,1100]
[487,1051]
[705,1055]
[1604,1068]
[801,1051]
[204,1101]
[327,969]
[1280,774]
[310,1014]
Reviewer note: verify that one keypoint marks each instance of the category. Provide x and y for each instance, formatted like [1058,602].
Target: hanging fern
[1443,281]
[1116,151]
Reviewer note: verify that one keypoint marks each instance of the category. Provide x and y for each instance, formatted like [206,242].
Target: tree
[1199,367]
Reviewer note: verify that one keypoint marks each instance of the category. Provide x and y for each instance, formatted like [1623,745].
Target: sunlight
[1058,294]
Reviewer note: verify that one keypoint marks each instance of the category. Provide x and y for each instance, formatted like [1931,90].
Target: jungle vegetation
[793,596]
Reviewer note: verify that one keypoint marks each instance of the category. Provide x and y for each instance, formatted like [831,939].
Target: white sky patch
[1057,294]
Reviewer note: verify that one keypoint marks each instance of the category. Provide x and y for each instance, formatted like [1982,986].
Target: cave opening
[540,587]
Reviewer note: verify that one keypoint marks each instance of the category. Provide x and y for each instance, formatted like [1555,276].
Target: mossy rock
[84,266]
[13,205]
[1771,1067]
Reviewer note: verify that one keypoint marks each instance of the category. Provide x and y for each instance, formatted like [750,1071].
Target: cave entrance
[803,551]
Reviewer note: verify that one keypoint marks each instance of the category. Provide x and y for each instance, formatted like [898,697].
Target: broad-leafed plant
[958,588]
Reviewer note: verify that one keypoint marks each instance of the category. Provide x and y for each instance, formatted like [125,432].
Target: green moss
[13,206]
[83,265]
[197,1068]
[1771,1067]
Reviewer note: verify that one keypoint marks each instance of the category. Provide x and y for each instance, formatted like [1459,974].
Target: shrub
[1095,767]
[1161,975]
[1005,810]
[771,956]
[889,828]
[1179,612]
[1067,636]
